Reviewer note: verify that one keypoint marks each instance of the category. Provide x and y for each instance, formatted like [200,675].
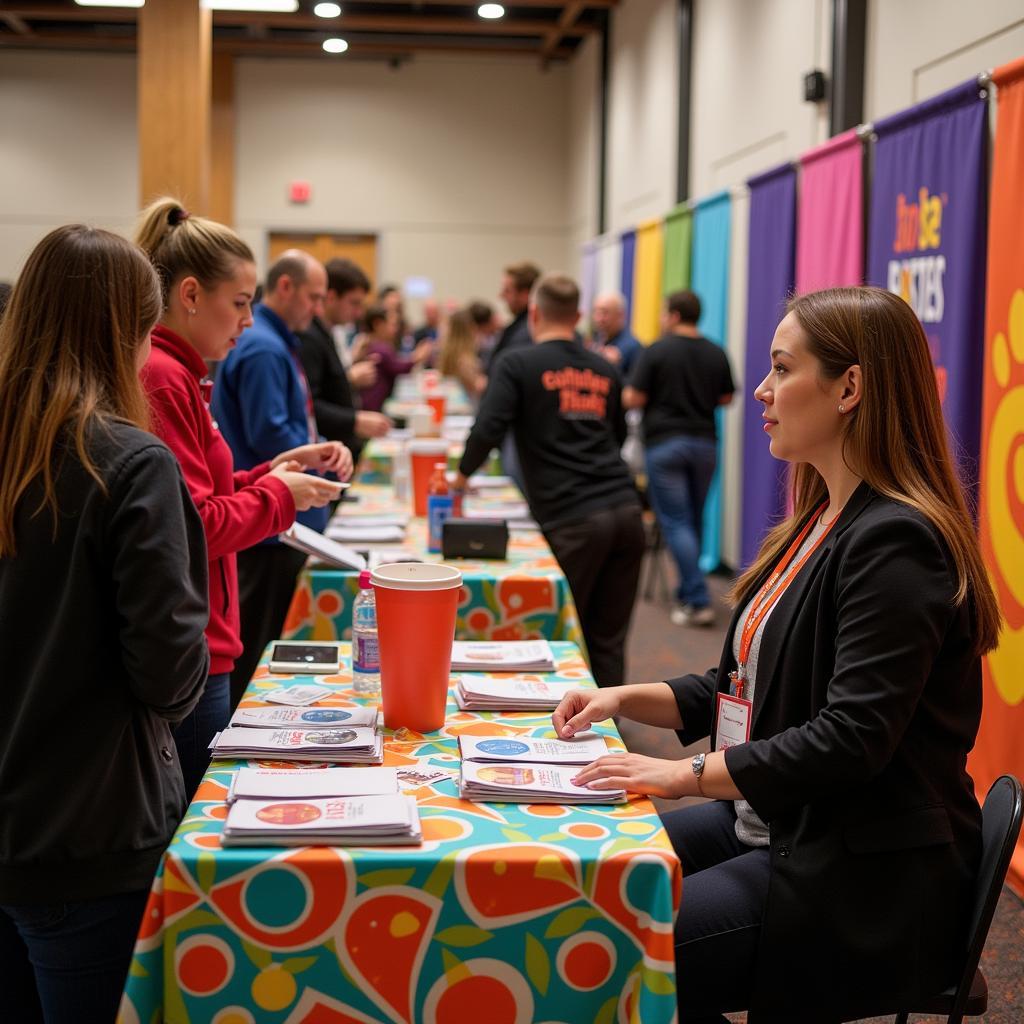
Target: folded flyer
[299,783]
[481,693]
[502,656]
[356,744]
[589,747]
[303,717]
[529,784]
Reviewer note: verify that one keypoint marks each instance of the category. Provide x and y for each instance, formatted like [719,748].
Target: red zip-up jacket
[238,509]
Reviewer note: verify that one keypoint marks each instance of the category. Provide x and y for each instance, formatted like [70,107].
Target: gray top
[750,829]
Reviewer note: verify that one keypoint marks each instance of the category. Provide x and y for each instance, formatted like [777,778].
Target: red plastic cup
[416,609]
[437,404]
[424,454]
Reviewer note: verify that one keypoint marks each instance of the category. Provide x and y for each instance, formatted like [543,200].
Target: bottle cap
[365,579]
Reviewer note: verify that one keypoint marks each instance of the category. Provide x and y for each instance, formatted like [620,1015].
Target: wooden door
[360,249]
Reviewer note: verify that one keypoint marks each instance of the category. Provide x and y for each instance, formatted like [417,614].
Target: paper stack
[588,747]
[366,533]
[480,693]
[303,784]
[529,784]
[378,820]
[502,656]
[303,717]
[355,744]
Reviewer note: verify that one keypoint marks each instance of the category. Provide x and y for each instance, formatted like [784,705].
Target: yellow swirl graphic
[1005,470]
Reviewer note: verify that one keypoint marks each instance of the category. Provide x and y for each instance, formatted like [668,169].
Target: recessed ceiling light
[491,11]
[327,10]
[335,45]
[262,6]
[110,3]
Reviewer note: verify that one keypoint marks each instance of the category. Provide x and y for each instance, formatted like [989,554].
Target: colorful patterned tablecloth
[506,914]
[525,597]
[409,393]
[377,462]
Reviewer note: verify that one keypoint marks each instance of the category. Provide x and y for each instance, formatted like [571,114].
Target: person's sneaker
[687,615]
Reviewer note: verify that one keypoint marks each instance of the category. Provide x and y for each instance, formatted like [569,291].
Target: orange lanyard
[771,590]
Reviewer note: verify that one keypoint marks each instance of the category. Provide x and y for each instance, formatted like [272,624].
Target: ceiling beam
[566,20]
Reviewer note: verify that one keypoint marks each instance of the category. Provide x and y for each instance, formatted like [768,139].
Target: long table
[506,913]
[524,597]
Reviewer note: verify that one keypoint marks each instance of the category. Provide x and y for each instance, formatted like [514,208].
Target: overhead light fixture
[258,6]
[335,45]
[491,11]
[327,10]
[110,3]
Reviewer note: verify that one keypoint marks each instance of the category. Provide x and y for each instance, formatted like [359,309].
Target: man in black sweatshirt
[564,407]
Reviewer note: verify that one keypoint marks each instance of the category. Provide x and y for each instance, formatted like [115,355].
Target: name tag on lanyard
[732,721]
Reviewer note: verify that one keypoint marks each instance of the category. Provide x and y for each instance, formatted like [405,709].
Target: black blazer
[333,402]
[515,335]
[867,702]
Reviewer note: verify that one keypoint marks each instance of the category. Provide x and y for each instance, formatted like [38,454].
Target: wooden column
[174,45]
[222,140]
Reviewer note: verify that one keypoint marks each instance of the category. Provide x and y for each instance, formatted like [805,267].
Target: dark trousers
[66,963]
[266,583]
[600,555]
[725,884]
[193,736]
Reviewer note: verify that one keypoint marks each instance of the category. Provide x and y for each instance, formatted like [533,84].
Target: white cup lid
[428,446]
[416,576]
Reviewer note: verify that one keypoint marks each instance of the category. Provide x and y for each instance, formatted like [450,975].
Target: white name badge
[732,721]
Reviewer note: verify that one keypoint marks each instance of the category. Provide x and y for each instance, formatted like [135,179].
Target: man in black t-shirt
[563,405]
[679,382]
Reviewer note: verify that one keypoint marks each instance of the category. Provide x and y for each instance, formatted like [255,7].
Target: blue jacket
[629,348]
[259,400]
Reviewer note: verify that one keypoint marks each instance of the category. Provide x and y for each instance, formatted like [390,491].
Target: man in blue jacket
[263,406]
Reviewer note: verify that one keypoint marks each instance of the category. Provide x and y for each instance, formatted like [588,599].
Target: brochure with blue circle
[529,750]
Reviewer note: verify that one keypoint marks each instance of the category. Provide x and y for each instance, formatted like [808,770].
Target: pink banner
[830,222]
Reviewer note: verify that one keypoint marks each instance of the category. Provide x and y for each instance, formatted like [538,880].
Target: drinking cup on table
[424,454]
[416,609]
[437,403]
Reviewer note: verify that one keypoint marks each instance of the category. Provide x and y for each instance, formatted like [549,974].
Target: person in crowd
[390,297]
[832,873]
[208,277]
[614,339]
[324,353]
[485,323]
[381,327]
[564,406]
[460,358]
[679,382]
[430,330]
[102,611]
[263,406]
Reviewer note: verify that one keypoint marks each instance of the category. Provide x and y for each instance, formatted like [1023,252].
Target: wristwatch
[697,764]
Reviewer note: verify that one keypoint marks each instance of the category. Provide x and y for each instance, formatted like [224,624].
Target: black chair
[1001,821]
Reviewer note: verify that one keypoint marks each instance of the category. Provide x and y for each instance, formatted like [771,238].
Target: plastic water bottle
[439,506]
[365,651]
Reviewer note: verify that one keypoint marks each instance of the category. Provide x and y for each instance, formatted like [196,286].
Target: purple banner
[626,280]
[927,238]
[770,278]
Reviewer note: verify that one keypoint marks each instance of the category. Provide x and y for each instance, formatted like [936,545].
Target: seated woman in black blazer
[835,865]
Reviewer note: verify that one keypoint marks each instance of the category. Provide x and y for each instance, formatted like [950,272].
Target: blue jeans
[679,473]
[192,736]
[725,885]
[66,963]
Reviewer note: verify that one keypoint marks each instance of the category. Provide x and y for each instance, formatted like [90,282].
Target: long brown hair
[895,438]
[83,305]
[182,245]
[459,340]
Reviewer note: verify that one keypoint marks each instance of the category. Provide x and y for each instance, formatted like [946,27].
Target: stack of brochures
[304,784]
[348,744]
[502,656]
[366,531]
[481,693]
[379,820]
[303,717]
[533,771]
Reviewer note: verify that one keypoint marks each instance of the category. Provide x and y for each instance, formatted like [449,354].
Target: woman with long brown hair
[830,876]
[208,278]
[102,612]
[460,354]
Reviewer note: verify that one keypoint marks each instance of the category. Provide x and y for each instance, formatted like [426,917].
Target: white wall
[68,149]
[917,48]
[583,129]
[643,112]
[460,165]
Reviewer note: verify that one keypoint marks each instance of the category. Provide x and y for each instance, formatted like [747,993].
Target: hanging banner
[830,227]
[926,243]
[647,277]
[770,278]
[628,243]
[678,241]
[710,280]
[1000,746]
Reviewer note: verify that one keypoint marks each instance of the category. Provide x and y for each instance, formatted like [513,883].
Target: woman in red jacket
[208,278]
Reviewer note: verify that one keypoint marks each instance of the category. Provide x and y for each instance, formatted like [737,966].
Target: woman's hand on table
[579,709]
[327,456]
[636,773]
[307,491]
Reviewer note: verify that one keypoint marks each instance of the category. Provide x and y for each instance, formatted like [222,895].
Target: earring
[842,408]
[192,312]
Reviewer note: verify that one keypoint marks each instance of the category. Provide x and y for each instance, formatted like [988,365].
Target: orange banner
[1000,747]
